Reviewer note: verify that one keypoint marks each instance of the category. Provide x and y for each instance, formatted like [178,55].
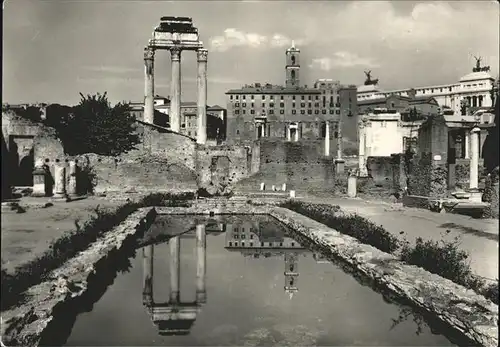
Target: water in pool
[239,281]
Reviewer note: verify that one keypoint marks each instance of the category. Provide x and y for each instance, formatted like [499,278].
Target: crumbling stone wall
[301,165]
[380,170]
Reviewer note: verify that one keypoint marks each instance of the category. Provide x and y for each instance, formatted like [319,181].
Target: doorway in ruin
[22,160]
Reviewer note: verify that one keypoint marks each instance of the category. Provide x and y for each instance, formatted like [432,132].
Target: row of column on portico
[176,90]
[175,269]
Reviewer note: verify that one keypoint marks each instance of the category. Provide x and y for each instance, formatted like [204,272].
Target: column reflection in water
[175,269]
[175,317]
[147,261]
[201,259]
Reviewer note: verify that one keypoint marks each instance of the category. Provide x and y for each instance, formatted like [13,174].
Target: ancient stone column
[71,190]
[201,260]
[467,145]
[60,181]
[202,96]
[39,177]
[175,90]
[149,88]
[339,142]
[363,172]
[175,269]
[474,164]
[288,133]
[327,139]
[147,270]
[297,133]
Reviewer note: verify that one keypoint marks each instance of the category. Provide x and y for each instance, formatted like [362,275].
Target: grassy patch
[71,243]
[444,258]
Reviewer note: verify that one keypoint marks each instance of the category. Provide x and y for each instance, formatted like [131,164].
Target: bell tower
[292,67]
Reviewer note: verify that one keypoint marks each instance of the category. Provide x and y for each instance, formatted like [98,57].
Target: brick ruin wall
[301,165]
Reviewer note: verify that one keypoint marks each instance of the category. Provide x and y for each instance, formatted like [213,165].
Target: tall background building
[292,112]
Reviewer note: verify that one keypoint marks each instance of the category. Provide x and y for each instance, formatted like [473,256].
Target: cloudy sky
[52,50]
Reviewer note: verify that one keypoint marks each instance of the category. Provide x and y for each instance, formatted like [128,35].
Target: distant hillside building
[473,88]
[291,112]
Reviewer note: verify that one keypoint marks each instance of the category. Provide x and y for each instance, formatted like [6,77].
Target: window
[237,132]
[302,97]
[271,104]
[230,243]
[316,111]
[309,105]
[316,104]
[302,104]
[293,97]
[244,97]
[236,111]
[309,111]
[252,111]
[293,105]
[392,104]
[237,104]
[294,111]
[252,97]
[251,236]
[237,97]
[293,60]
[244,112]
[309,97]
[317,97]
[323,111]
[244,104]
[251,244]
[281,97]
[271,111]
[263,97]
[282,111]
[263,104]
[189,133]
[302,111]
[337,111]
[252,106]
[282,104]
[262,244]
[332,111]
[230,97]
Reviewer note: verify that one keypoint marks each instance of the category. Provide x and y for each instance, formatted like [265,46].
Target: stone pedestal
[201,259]
[39,180]
[292,194]
[201,137]
[72,172]
[475,195]
[149,85]
[175,90]
[147,268]
[60,182]
[351,186]
[273,188]
[339,166]
[175,269]
[262,186]
[283,187]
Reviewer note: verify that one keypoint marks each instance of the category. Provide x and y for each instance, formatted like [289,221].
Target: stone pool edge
[25,325]
[449,303]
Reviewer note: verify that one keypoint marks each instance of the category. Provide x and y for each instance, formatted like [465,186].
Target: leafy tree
[94,126]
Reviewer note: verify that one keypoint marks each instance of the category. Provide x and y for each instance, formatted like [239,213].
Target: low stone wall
[27,324]
[467,313]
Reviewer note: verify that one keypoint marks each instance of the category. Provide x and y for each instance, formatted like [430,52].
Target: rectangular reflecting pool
[240,281]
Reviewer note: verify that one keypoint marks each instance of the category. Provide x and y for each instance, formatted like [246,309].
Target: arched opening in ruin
[25,172]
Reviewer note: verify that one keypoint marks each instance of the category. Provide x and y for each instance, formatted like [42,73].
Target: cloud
[341,59]
[236,38]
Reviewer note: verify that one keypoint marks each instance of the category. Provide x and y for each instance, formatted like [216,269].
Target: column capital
[175,52]
[149,53]
[202,54]
[475,130]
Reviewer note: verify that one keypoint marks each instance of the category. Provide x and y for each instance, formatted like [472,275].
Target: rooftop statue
[369,80]
[478,67]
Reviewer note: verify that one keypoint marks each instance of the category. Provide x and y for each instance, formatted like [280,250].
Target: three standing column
[327,139]
[175,90]
[149,85]
[202,96]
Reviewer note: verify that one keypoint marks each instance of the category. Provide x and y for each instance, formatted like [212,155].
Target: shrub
[352,225]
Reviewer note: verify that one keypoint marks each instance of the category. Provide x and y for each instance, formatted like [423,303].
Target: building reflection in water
[267,239]
[175,317]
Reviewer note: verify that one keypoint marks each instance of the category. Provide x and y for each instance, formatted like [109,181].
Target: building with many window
[474,88]
[291,112]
